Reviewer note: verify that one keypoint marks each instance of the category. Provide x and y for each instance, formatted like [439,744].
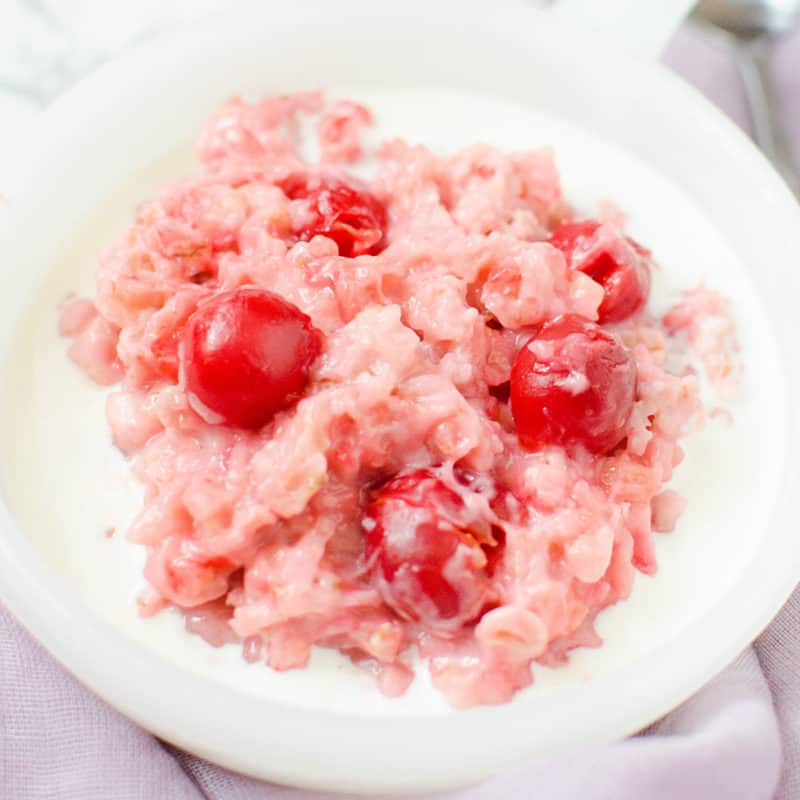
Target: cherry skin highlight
[247,354]
[426,551]
[573,383]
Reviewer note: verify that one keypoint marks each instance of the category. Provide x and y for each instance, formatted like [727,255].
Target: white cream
[67,484]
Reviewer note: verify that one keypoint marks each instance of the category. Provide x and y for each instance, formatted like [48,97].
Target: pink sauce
[258,534]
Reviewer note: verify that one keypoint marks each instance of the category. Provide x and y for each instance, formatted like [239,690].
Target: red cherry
[347,213]
[573,383]
[424,548]
[247,355]
[620,265]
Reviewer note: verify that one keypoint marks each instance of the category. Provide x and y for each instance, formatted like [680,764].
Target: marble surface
[47,45]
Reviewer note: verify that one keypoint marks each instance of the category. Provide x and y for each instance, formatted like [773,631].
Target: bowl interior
[712,547]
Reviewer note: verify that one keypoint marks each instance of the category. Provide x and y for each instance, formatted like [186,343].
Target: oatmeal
[427,414]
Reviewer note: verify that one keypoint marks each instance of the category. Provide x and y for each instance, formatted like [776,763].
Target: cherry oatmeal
[425,415]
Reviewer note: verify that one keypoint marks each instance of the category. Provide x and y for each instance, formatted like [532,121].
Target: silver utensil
[753,26]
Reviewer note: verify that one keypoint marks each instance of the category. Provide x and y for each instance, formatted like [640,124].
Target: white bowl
[141,107]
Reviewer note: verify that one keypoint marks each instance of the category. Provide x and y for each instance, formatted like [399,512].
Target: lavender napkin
[738,738]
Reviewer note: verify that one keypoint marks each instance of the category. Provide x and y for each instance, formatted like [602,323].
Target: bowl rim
[93,650]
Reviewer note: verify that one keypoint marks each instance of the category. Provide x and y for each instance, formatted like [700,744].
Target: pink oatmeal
[426,414]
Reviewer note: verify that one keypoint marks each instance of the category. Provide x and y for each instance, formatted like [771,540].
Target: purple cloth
[738,738]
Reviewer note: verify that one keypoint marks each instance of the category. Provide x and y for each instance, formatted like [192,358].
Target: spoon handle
[752,59]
